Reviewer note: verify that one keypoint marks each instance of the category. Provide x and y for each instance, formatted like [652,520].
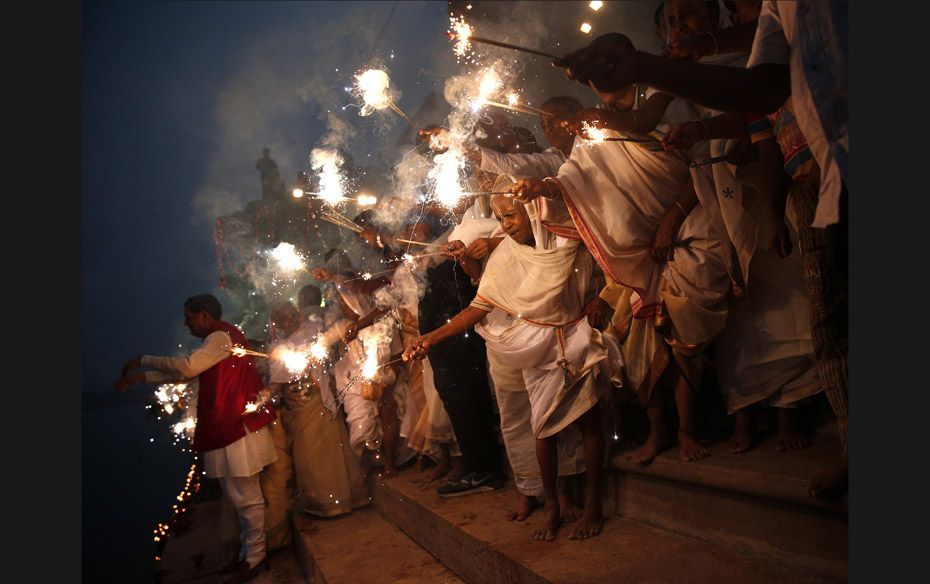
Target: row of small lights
[191,485]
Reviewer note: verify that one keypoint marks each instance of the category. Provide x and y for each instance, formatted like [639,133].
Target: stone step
[755,502]
[362,547]
[196,554]
[471,536]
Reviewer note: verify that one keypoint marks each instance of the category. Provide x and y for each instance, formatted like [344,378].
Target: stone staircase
[730,518]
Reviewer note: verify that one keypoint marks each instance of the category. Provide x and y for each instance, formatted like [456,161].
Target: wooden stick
[394,107]
[510,46]
[418,242]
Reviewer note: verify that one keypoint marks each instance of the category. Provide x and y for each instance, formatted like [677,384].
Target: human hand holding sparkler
[455,249]
[527,189]
[609,63]
[418,350]
[591,118]
[684,136]
[482,247]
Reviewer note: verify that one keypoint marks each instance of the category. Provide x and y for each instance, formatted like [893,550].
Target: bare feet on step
[591,524]
[689,447]
[526,506]
[790,436]
[657,443]
[741,439]
[546,529]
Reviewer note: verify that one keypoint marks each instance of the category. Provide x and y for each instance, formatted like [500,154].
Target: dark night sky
[178,100]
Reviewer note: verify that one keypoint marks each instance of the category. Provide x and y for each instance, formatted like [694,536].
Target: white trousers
[245,493]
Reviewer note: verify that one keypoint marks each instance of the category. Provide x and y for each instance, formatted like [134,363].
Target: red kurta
[225,389]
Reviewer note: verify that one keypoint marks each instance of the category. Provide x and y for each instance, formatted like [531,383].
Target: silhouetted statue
[272,185]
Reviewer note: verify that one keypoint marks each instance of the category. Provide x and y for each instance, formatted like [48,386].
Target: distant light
[468,7]
[596,5]
[297,193]
[585,28]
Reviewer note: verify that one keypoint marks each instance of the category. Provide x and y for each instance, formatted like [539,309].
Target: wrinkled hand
[597,312]
[684,136]
[321,274]
[480,248]
[607,64]
[663,244]
[781,238]
[527,189]
[691,47]
[418,350]
[455,249]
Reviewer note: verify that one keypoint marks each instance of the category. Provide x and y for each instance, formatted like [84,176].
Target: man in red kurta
[234,439]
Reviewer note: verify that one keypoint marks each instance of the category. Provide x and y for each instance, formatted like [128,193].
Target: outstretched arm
[458,324]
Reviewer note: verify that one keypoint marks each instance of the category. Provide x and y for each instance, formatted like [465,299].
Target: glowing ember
[294,361]
[287,257]
[370,368]
[318,349]
[593,134]
[448,168]
[585,28]
[409,258]
[596,5]
[250,407]
[185,426]
[327,163]
[461,33]
[366,276]
[366,200]
[298,193]
[513,98]
[238,351]
[373,85]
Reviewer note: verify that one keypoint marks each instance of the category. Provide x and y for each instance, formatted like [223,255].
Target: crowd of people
[706,222]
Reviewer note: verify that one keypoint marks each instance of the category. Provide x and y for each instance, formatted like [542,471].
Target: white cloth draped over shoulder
[617,193]
[535,296]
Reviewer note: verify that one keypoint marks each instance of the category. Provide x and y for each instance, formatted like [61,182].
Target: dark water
[129,484]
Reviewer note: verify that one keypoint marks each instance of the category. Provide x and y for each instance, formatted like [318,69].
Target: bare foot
[569,511]
[830,483]
[741,440]
[527,504]
[591,524]
[789,436]
[545,531]
[689,448]
[657,443]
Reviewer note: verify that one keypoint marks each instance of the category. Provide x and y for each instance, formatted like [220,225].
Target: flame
[238,351]
[461,35]
[318,349]
[592,133]
[250,407]
[327,164]
[287,258]
[297,193]
[370,368]
[513,98]
[446,172]
[373,85]
[366,276]
[408,258]
[294,361]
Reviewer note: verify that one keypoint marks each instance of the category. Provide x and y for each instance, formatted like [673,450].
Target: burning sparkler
[287,257]
[239,351]
[373,85]
[327,163]
[463,37]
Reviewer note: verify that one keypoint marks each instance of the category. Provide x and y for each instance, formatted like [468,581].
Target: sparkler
[520,109]
[287,258]
[373,85]
[239,351]
[341,221]
[327,164]
[463,37]
[423,243]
